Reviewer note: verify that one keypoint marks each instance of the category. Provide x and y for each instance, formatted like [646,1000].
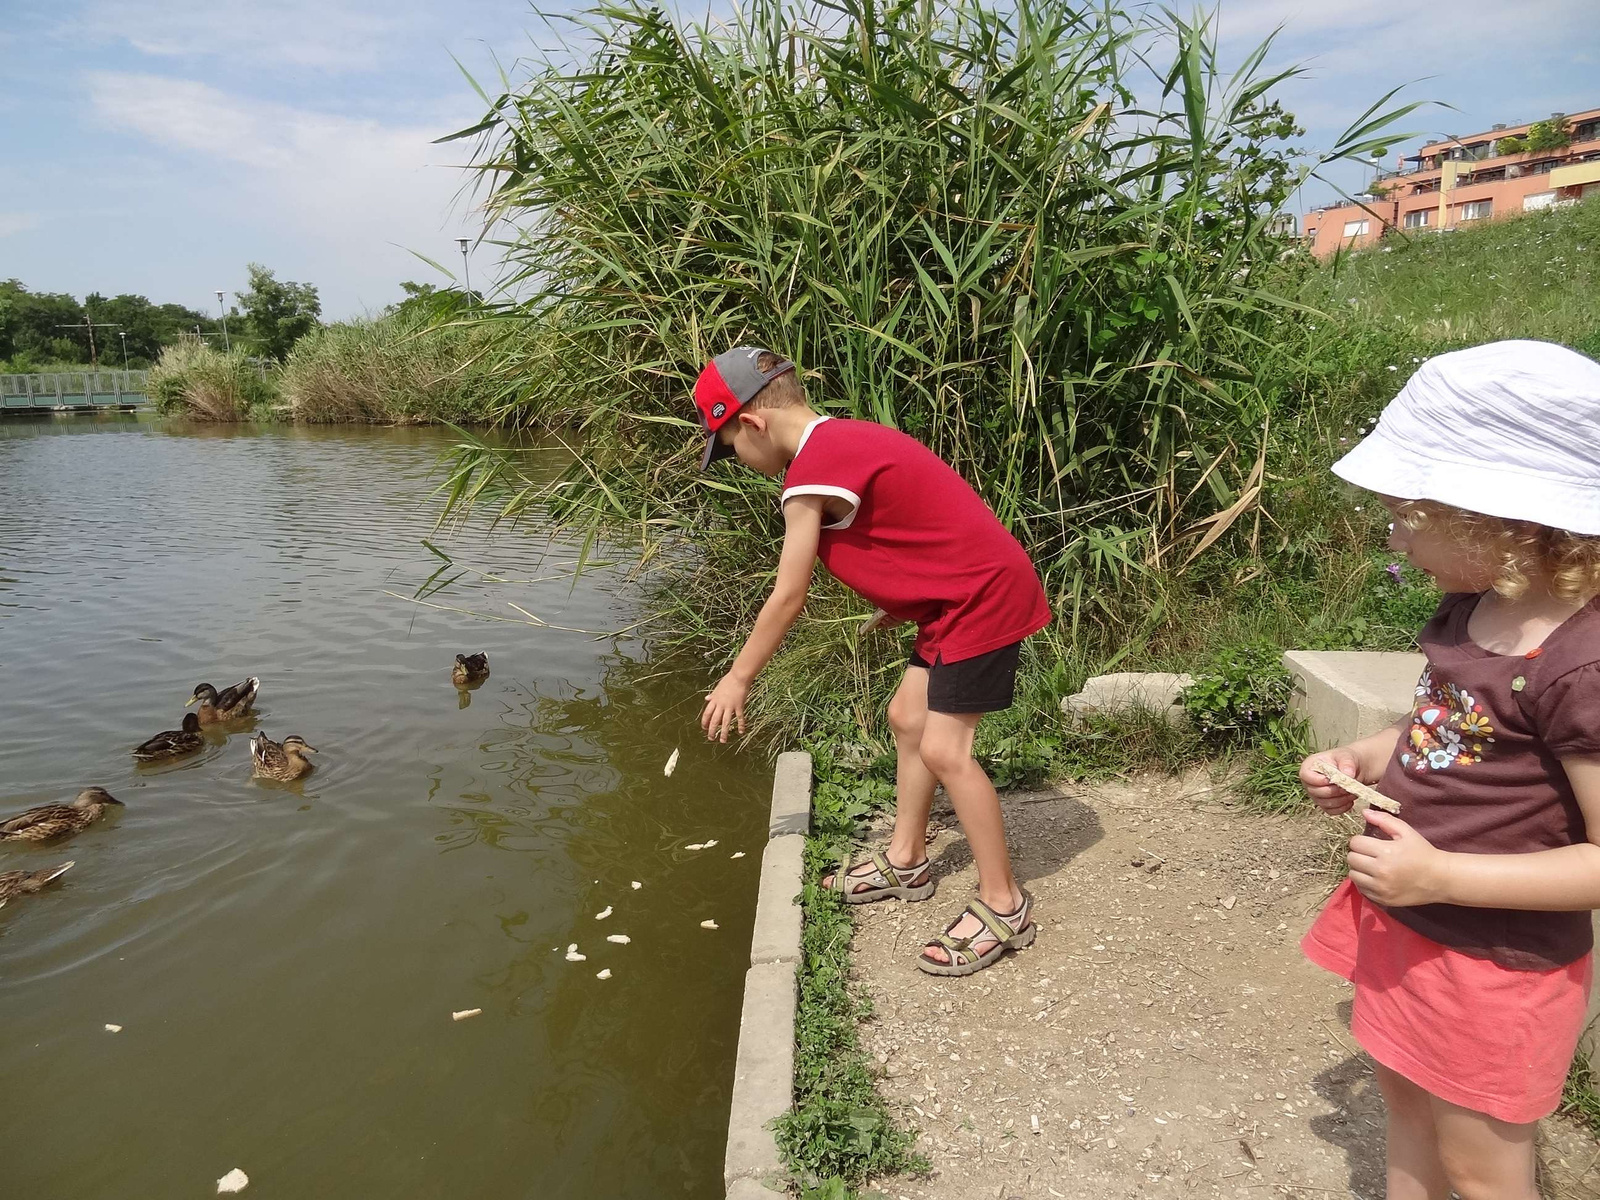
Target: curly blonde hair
[1521,551]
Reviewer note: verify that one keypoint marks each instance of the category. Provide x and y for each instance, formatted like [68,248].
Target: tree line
[53,330]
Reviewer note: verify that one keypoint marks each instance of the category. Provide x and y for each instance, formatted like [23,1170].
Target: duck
[227,705]
[470,668]
[58,820]
[19,883]
[283,760]
[173,743]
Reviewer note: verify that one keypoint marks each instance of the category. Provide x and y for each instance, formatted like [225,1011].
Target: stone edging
[763,1076]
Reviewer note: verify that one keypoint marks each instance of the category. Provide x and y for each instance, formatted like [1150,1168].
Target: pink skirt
[1465,1029]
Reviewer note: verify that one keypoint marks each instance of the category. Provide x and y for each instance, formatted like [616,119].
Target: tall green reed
[1006,230]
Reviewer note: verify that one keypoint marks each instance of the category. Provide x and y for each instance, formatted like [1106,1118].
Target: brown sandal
[1009,931]
[885,881]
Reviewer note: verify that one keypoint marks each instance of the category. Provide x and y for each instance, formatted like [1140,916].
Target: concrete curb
[763,1074]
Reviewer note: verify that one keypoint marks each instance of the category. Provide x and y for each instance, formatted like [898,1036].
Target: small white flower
[1358,508]
[1394,368]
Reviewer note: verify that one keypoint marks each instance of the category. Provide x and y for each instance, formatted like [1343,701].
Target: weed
[1241,694]
[1580,1098]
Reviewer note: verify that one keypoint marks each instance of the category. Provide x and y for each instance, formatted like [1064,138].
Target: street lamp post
[222,308]
[123,334]
[466,268]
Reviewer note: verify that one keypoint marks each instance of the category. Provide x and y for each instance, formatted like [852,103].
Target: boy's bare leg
[913,782]
[946,749]
[1414,1169]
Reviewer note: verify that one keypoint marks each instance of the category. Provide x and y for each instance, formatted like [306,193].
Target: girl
[1464,923]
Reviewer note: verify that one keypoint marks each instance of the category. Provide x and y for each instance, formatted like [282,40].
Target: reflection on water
[284,958]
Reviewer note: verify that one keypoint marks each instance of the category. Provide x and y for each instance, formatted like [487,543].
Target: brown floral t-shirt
[1479,772]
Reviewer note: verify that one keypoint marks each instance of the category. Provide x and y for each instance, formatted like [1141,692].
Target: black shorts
[983,684]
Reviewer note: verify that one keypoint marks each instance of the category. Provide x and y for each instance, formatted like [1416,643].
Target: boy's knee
[906,718]
[944,756]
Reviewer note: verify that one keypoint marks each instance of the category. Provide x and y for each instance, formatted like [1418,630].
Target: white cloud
[313,34]
[348,189]
[17,222]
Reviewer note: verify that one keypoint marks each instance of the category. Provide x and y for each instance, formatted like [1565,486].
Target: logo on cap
[717,410]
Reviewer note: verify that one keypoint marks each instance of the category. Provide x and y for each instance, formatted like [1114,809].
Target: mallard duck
[17,883]
[470,668]
[227,705]
[174,743]
[58,820]
[285,760]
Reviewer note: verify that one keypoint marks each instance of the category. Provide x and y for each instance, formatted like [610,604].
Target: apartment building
[1452,182]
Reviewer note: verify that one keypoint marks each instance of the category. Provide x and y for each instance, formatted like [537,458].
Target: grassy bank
[196,380]
[398,369]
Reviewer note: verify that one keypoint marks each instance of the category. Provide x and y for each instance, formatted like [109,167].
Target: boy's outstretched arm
[802,528]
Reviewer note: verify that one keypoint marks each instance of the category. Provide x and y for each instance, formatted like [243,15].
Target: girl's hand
[1403,871]
[1330,797]
[724,708]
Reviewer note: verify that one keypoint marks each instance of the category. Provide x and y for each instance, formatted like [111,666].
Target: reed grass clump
[396,369]
[959,218]
[195,379]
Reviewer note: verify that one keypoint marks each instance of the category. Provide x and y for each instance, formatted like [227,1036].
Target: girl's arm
[802,530]
[1409,870]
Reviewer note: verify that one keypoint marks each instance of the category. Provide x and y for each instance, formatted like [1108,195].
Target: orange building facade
[1451,183]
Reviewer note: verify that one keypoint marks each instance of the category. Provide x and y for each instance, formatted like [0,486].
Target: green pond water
[284,959]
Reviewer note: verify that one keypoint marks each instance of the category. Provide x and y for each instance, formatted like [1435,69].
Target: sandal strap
[996,926]
[901,875]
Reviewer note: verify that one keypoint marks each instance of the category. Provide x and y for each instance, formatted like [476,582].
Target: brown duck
[58,820]
[285,760]
[19,883]
[227,705]
[174,743]
[470,668]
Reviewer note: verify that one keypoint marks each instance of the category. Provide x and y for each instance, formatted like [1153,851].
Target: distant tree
[424,300]
[277,314]
[31,325]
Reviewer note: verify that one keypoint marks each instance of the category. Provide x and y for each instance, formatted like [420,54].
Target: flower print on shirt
[1448,727]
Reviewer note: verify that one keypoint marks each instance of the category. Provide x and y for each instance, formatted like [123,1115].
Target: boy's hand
[724,708]
[1330,797]
[1403,870]
[878,620]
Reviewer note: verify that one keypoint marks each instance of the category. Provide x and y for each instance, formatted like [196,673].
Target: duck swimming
[283,760]
[470,668]
[174,743]
[227,705]
[18,883]
[58,820]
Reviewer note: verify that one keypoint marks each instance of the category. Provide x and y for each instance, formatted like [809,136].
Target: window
[1355,228]
[1477,210]
[1418,219]
[1537,201]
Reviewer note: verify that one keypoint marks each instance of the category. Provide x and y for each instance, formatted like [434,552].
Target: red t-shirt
[919,542]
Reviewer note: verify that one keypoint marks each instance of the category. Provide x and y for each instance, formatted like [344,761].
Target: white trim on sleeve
[805,434]
[824,489]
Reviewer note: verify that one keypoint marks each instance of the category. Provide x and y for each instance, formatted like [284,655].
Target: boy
[895,523]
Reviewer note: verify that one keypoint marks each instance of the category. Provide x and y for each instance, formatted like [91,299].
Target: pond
[285,959]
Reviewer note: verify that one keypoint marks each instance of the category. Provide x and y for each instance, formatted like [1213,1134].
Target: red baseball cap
[727,384]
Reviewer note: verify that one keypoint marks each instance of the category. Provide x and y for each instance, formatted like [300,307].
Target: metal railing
[75,389]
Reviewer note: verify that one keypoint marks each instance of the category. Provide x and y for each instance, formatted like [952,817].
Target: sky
[157,146]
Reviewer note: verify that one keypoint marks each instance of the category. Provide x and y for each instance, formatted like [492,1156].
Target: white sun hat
[1510,429]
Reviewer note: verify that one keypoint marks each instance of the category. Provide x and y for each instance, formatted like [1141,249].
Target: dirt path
[1164,1031]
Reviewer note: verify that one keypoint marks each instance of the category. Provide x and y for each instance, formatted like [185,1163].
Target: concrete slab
[753,1189]
[791,795]
[763,1077]
[1348,694]
[777,930]
[1157,691]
